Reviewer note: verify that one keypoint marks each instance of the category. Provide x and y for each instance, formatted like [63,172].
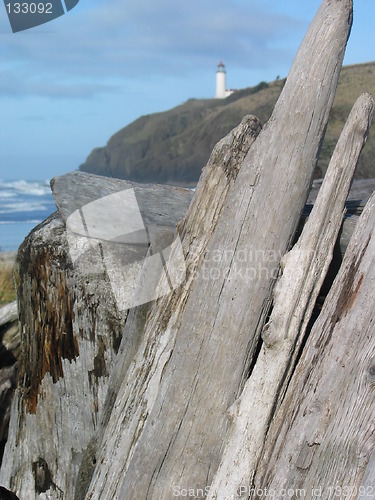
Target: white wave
[34,188]
[8,208]
[32,221]
[7,194]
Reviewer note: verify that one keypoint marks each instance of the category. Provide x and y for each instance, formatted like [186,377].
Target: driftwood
[71,332]
[331,398]
[304,269]
[194,361]
[180,380]
[219,175]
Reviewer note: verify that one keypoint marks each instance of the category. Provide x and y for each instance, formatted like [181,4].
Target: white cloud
[79,53]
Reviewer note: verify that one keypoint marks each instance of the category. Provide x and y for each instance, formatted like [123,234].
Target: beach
[7,291]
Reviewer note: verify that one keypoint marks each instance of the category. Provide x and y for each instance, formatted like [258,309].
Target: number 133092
[29,8]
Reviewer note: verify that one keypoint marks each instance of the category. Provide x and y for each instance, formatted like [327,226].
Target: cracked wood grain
[295,293]
[173,418]
[142,380]
[323,435]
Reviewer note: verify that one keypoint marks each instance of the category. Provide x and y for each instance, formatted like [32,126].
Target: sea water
[23,205]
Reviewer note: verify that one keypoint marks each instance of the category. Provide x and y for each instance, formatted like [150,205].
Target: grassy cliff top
[173,146]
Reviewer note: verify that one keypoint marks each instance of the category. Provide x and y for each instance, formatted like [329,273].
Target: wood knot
[270,334]
[371,369]
[42,476]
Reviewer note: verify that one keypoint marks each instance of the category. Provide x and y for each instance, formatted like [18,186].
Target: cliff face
[172,147]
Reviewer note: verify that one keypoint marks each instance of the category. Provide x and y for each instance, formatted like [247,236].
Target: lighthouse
[221,85]
[220,81]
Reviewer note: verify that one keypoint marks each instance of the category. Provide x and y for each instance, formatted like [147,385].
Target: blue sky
[68,85]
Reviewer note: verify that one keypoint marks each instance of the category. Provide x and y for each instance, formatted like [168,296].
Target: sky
[68,85]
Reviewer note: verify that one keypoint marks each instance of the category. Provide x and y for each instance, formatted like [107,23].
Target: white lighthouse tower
[221,81]
[221,85]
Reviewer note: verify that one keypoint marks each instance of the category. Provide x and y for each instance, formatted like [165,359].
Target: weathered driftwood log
[72,192]
[83,188]
[202,216]
[211,193]
[71,330]
[322,438]
[360,192]
[296,291]
[170,419]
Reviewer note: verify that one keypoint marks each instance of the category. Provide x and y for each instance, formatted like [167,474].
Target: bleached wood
[8,313]
[67,343]
[196,230]
[322,437]
[71,328]
[170,419]
[304,269]
[210,195]
[366,489]
[196,227]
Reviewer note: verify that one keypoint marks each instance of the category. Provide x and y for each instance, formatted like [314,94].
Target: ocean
[23,205]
